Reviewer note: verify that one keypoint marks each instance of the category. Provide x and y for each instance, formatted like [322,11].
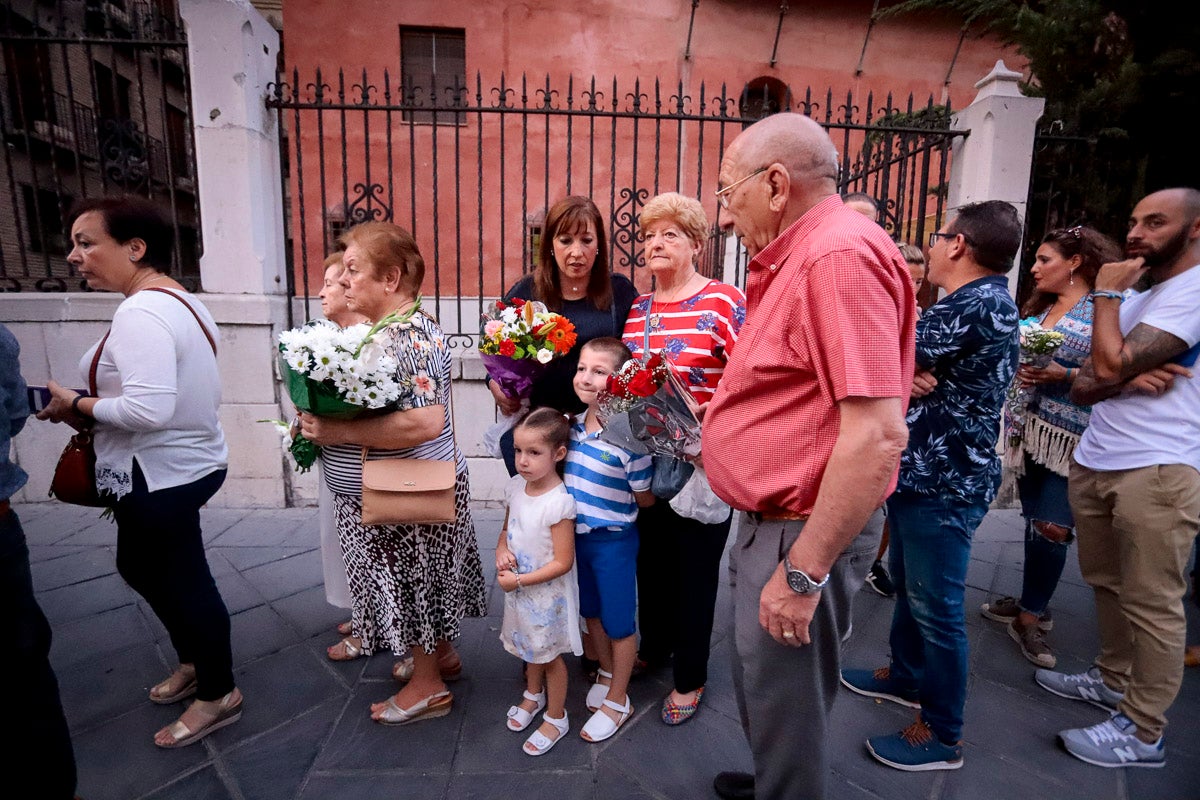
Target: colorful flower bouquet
[518,339]
[337,372]
[645,408]
[1037,348]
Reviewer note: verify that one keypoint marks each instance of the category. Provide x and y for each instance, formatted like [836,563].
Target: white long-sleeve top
[160,394]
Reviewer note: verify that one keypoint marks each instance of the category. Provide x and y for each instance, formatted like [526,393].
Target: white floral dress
[541,621]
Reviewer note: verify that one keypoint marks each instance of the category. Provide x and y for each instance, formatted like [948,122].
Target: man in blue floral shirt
[966,357]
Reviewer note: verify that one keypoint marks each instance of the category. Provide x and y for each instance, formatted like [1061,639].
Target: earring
[133,258]
[1072,274]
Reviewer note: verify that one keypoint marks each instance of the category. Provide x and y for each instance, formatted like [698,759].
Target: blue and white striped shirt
[602,478]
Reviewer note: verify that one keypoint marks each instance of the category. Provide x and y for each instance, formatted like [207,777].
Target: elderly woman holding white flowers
[411,585]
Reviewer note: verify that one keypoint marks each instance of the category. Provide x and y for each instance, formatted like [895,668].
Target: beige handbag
[407,491]
[403,491]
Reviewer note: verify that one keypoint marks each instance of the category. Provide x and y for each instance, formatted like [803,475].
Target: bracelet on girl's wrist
[75,404]
[518,579]
[1099,293]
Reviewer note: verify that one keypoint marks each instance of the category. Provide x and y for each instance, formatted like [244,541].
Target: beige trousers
[1135,530]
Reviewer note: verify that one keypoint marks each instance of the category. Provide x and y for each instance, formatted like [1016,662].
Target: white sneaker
[1113,743]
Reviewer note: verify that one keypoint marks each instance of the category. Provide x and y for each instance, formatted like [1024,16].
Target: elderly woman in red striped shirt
[693,321]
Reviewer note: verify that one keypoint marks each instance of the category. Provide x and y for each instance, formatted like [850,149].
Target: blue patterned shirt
[968,340]
[16,410]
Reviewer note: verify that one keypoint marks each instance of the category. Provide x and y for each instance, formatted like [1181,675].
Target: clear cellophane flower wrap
[1037,348]
[517,340]
[646,409]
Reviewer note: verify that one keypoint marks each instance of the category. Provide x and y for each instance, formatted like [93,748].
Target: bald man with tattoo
[1135,482]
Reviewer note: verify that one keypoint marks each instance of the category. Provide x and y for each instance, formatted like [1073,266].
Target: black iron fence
[94,100]
[471,170]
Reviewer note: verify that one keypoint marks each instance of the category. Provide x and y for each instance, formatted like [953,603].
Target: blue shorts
[606,562]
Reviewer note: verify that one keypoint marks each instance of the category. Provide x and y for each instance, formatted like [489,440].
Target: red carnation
[517,302]
[507,347]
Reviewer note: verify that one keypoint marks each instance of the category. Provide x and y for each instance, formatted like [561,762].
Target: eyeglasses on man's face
[724,194]
[933,237]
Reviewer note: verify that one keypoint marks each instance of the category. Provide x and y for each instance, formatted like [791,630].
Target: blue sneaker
[879,683]
[915,749]
[1113,743]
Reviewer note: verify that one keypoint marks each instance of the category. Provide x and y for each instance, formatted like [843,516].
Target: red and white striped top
[695,334]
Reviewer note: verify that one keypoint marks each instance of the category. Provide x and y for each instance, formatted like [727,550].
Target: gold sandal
[435,705]
[186,690]
[350,650]
[228,712]
[449,669]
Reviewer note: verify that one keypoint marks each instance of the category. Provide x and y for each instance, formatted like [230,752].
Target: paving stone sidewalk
[306,731]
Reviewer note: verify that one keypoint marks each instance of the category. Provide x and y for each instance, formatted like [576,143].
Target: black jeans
[679,564]
[160,553]
[39,732]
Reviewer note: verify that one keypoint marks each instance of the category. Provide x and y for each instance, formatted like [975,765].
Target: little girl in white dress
[535,566]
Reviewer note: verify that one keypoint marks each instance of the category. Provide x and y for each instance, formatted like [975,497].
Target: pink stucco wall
[820,46]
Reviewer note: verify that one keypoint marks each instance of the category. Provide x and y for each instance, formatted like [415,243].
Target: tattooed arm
[1114,365]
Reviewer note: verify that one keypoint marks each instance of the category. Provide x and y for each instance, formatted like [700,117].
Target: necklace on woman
[677,293]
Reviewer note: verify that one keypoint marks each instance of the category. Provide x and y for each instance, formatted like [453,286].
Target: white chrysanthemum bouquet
[340,373]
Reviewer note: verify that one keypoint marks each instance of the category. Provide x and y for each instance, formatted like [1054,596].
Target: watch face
[798,581]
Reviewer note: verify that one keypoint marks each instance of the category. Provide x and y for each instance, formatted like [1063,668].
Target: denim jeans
[1043,499]
[928,555]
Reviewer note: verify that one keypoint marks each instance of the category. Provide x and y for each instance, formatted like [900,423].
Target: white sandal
[601,726]
[598,692]
[538,743]
[519,718]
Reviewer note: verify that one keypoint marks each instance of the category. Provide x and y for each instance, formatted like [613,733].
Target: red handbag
[74,478]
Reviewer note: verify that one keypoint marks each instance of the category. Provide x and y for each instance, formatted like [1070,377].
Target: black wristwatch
[799,581]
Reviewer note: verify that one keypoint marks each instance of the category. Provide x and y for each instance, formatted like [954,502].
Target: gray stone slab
[275,765]
[289,575]
[118,759]
[85,599]
[91,563]
[39,553]
[238,593]
[99,634]
[374,786]
[204,784]
[259,632]
[291,527]
[309,613]
[358,743]
[215,521]
[110,684]
[575,785]
[243,558]
[486,742]
[90,530]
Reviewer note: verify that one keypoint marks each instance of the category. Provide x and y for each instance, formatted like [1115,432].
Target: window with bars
[433,74]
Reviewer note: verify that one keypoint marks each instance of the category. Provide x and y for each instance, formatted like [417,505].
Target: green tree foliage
[1121,80]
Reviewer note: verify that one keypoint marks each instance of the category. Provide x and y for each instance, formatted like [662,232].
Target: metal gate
[93,100]
[471,170]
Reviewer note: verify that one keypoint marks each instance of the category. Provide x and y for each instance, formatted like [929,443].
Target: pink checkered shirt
[830,315]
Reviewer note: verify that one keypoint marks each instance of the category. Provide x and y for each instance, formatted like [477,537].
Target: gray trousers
[785,694]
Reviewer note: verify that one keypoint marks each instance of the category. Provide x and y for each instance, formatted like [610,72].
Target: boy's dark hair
[129,217]
[551,423]
[992,230]
[610,346]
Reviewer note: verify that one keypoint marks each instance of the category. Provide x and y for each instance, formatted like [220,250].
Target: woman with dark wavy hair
[1040,444]
[571,278]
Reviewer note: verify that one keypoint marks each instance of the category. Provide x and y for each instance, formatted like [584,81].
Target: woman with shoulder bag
[411,584]
[693,321]
[160,451]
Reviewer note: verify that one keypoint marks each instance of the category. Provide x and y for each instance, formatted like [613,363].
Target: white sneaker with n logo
[1113,743]
[1087,686]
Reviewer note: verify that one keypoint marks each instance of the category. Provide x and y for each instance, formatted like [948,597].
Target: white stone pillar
[995,162]
[232,54]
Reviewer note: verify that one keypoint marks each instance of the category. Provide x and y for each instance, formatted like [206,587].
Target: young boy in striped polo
[608,484]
